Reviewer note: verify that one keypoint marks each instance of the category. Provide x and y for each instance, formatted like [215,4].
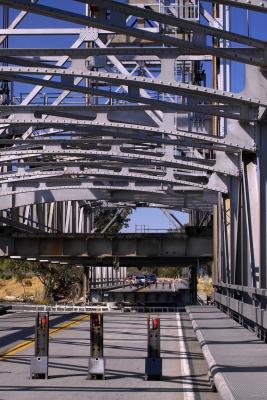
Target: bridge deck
[125,341]
[173,292]
[236,357]
[160,287]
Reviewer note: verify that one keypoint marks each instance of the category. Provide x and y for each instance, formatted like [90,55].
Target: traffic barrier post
[153,364]
[96,366]
[39,362]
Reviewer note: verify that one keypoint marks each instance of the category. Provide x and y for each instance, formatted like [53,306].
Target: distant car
[151,279]
[140,280]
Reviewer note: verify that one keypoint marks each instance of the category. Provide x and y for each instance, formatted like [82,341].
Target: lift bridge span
[115,105]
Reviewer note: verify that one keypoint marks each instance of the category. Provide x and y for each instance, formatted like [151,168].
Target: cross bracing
[126,115]
[237,107]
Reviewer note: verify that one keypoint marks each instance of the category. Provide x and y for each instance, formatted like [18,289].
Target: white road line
[185,368]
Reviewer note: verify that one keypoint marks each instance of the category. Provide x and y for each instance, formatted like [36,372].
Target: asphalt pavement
[125,348]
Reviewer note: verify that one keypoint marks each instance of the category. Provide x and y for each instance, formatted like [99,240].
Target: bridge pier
[85,283]
[193,284]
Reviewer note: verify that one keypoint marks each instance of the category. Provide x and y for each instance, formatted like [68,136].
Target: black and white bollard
[153,365]
[96,366]
[39,362]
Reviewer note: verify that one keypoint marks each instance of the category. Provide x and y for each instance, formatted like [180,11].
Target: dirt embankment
[30,288]
[204,285]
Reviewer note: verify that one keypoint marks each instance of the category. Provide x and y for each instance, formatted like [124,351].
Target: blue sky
[152,218]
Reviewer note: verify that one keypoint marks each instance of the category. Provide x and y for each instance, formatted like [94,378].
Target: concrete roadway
[125,340]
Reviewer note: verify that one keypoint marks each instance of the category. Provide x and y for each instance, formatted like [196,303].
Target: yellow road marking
[29,342]
[142,290]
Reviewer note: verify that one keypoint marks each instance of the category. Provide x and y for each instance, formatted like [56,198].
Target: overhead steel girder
[89,112]
[110,26]
[226,111]
[248,109]
[226,163]
[117,162]
[125,174]
[141,140]
[11,222]
[183,198]
[42,31]
[126,159]
[84,156]
[17,54]
[182,143]
[92,246]
[28,62]
[72,110]
[229,111]
[182,169]
[116,127]
[253,56]
[119,172]
[188,26]
[139,82]
[34,92]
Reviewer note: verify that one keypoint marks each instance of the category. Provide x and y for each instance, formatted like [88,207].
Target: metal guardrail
[257,315]
[68,309]
[156,309]
[241,288]
[63,309]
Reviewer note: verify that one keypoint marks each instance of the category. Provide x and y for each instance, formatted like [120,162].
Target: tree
[103,217]
[20,270]
[58,280]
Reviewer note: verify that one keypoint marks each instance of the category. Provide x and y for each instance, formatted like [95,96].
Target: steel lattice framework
[125,116]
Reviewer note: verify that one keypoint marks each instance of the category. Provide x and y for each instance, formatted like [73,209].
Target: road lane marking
[185,368]
[52,331]
[142,290]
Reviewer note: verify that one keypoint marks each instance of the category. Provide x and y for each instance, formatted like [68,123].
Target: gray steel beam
[182,197]
[131,129]
[190,243]
[247,112]
[183,24]
[132,157]
[75,175]
[111,26]
[136,81]
[253,56]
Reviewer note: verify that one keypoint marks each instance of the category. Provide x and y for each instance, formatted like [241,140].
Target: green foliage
[167,272]
[103,217]
[58,280]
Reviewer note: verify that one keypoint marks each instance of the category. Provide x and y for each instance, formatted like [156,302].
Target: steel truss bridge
[129,104]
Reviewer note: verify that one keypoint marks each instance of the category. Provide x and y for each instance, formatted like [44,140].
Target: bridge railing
[247,305]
